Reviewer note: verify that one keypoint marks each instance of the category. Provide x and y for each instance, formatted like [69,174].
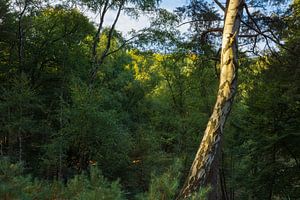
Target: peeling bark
[204,170]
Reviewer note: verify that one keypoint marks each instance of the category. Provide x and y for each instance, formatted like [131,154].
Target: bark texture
[204,170]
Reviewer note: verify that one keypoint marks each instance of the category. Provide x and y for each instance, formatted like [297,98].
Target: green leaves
[95,133]
[14,185]
[262,148]
[146,107]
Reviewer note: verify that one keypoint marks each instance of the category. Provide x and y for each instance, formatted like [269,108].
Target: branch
[258,30]
[250,16]
[24,9]
[112,29]
[204,33]
[216,63]
[220,5]
[218,29]
[121,46]
[248,35]
[254,46]
[197,20]
[262,33]
[96,38]
[105,52]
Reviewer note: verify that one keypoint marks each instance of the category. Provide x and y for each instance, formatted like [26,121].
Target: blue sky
[172,4]
[126,23]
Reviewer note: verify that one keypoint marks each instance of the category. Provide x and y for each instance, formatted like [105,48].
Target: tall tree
[102,8]
[204,170]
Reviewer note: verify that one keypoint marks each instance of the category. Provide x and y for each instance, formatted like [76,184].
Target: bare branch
[121,46]
[264,35]
[254,46]
[105,52]
[96,38]
[204,33]
[220,5]
[250,16]
[248,35]
[260,32]
[112,29]
[192,21]
[218,29]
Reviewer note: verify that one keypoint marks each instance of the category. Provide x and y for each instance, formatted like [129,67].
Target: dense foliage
[133,131]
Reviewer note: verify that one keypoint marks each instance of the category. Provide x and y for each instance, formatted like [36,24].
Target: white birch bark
[204,169]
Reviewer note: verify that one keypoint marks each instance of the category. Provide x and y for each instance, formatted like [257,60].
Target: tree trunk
[20,146]
[204,170]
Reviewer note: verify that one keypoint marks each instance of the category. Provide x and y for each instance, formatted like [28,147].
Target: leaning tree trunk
[204,170]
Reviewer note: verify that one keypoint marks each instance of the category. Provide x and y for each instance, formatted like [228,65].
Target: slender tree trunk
[1,147]
[20,43]
[204,170]
[20,135]
[231,189]
[60,139]
[222,179]
[20,146]
[20,36]
[272,181]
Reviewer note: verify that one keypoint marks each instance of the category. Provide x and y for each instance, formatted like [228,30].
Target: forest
[202,103]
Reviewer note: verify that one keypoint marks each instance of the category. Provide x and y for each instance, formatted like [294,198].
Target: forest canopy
[90,112]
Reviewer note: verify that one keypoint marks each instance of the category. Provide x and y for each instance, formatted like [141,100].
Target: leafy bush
[166,186]
[15,185]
